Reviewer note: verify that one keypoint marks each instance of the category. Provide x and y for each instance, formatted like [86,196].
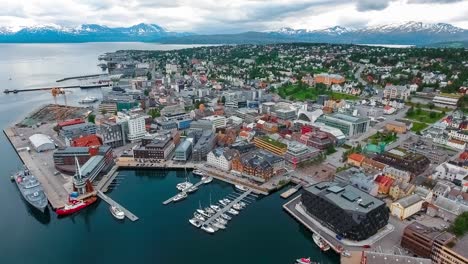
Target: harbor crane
[58,91]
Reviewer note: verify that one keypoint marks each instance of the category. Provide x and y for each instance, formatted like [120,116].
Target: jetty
[291,191]
[172,198]
[106,180]
[109,200]
[6,91]
[82,76]
[227,207]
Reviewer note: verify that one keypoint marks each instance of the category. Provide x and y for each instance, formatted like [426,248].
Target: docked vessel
[233,211]
[180,196]
[198,172]
[198,216]
[208,228]
[206,179]
[219,225]
[117,212]
[184,186]
[241,188]
[225,216]
[320,242]
[303,261]
[31,189]
[88,100]
[237,206]
[195,222]
[192,189]
[74,206]
[94,85]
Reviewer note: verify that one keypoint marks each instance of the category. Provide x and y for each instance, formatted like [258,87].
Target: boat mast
[78,168]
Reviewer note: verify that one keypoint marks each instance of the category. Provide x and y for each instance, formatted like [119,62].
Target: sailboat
[75,205]
[184,185]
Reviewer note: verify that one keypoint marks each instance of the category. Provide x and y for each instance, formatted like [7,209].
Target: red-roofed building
[384,182]
[71,122]
[356,159]
[87,141]
[464,156]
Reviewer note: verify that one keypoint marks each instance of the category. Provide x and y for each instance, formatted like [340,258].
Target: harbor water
[261,233]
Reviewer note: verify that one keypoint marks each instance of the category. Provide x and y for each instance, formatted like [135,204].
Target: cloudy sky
[228,16]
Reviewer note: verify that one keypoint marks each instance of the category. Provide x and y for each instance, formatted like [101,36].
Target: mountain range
[408,33]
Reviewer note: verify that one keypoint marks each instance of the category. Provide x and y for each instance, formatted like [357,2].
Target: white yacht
[88,100]
[183,186]
[206,179]
[198,172]
[233,211]
[237,206]
[195,222]
[226,200]
[222,221]
[225,216]
[117,212]
[209,210]
[223,202]
[180,196]
[219,225]
[203,212]
[242,204]
[192,189]
[199,216]
[320,242]
[215,207]
[241,187]
[208,229]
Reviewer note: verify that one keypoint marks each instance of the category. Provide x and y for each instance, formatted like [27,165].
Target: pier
[50,88]
[226,208]
[291,191]
[172,198]
[82,76]
[108,200]
[107,179]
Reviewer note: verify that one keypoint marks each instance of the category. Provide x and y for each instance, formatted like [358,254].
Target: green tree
[432,115]
[154,113]
[92,118]
[431,105]
[146,92]
[223,100]
[149,76]
[103,111]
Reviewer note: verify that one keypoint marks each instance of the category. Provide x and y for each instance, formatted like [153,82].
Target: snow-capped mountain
[413,26]
[84,33]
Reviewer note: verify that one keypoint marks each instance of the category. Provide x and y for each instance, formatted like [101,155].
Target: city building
[396,92]
[41,142]
[136,128]
[371,257]
[446,99]
[202,125]
[204,145]
[111,134]
[64,159]
[402,160]
[271,145]
[298,152]
[221,158]
[257,165]
[446,208]
[349,125]
[406,207]
[450,172]
[346,210]
[217,121]
[183,150]
[159,147]
[425,147]
[77,130]
[328,79]
[86,141]
[395,126]
[356,159]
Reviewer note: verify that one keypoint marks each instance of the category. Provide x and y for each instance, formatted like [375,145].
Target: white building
[460,136]
[221,158]
[135,126]
[396,92]
[451,172]
[446,99]
[406,207]
[41,142]
[218,121]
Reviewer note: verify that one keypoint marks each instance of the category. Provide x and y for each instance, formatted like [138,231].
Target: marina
[111,202]
[196,185]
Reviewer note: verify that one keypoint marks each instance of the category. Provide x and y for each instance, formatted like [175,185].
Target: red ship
[75,205]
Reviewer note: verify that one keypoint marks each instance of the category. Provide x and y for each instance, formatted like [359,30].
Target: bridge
[109,200]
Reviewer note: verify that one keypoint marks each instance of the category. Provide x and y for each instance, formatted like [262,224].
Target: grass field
[418,127]
[424,116]
[294,92]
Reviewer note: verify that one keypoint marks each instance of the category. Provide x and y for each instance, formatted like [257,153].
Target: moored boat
[219,225]
[74,206]
[195,222]
[88,100]
[225,216]
[117,212]
[206,179]
[180,196]
[199,216]
[303,261]
[198,172]
[233,211]
[320,242]
[241,187]
[208,228]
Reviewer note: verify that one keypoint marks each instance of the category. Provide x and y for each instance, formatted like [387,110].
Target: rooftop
[345,196]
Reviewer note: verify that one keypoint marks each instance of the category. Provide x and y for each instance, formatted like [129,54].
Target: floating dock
[172,198]
[291,191]
[108,200]
[227,207]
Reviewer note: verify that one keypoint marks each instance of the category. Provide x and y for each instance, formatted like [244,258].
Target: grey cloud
[371,5]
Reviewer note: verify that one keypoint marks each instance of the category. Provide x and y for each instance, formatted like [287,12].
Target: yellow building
[406,207]
[271,145]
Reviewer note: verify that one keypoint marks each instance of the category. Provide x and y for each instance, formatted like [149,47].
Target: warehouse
[41,142]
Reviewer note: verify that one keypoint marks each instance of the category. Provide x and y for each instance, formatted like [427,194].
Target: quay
[172,198]
[50,88]
[227,207]
[124,163]
[106,180]
[291,191]
[108,200]
[54,188]
[82,76]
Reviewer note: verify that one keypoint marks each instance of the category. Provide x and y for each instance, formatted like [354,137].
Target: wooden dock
[172,198]
[227,207]
[108,200]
